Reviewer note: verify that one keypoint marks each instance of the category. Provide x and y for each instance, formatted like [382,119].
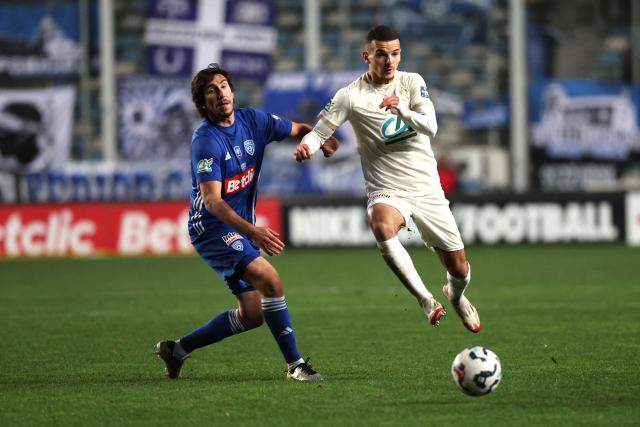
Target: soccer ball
[476,371]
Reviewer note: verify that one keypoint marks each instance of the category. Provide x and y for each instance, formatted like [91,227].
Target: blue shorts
[228,253]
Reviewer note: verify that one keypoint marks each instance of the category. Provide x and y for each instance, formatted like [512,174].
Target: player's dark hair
[200,82]
[382,33]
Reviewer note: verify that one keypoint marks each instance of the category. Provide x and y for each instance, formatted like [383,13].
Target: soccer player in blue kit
[227,150]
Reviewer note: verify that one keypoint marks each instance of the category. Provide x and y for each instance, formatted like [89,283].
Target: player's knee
[459,267]
[252,320]
[272,288]
[382,230]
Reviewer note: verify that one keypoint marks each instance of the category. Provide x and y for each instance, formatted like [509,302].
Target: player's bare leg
[249,310]
[385,221]
[458,277]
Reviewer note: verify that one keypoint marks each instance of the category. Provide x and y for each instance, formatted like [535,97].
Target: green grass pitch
[77,342]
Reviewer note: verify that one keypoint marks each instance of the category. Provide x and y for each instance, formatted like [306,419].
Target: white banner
[35,128]
[632,203]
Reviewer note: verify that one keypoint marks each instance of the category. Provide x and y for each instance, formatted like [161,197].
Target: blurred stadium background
[539,150]
[537,103]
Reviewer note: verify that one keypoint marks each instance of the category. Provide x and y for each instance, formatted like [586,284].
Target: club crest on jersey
[423,92]
[204,165]
[233,239]
[249,147]
[238,151]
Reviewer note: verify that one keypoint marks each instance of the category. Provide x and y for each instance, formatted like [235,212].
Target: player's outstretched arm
[264,237]
[319,138]
[299,130]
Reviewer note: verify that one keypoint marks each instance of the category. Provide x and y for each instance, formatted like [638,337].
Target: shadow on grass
[147,379]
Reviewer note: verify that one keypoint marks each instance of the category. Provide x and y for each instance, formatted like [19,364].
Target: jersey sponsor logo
[394,129]
[238,151]
[204,165]
[239,182]
[380,195]
[424,92]
[249,147]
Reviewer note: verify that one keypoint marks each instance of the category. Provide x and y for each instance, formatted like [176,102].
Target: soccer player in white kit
[394,121]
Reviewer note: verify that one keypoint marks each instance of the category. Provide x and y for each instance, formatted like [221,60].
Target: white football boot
[464,308]
[304,372]
[433,309]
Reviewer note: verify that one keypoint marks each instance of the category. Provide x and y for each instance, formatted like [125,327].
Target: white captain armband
[320,133]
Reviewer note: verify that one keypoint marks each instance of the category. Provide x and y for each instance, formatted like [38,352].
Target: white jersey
[395,158]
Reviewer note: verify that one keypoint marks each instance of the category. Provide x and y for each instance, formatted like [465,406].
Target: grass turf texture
[78,336]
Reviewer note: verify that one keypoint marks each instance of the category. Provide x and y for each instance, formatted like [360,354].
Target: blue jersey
[232,155]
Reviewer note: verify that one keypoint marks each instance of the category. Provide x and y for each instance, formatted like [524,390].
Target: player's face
[218,98]
[383,59]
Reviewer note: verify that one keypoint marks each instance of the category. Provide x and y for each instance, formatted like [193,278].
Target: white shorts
[431,214]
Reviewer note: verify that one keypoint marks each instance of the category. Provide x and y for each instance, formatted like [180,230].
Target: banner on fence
[584,134]
[486,220]
[186,35]
[39,39]
[97,228]
[35,128]
[157,118]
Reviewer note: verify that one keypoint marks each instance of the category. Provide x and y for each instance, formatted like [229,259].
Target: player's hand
[302,153]
[267,240]
[390,102]
[330,147]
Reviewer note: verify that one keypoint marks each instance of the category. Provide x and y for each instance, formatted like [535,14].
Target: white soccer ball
[476,371]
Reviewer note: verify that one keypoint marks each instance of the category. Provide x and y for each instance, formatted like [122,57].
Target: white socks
[398,259]
[458,285]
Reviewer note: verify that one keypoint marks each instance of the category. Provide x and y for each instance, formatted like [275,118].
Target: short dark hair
[382,33]
[200,82]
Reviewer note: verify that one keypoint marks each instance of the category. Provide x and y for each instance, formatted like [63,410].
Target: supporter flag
[584,134]
[157,118]
[184,36]
[35,128]
[39,39]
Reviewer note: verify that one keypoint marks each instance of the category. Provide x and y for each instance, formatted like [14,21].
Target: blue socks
[276,316]
[220,327]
